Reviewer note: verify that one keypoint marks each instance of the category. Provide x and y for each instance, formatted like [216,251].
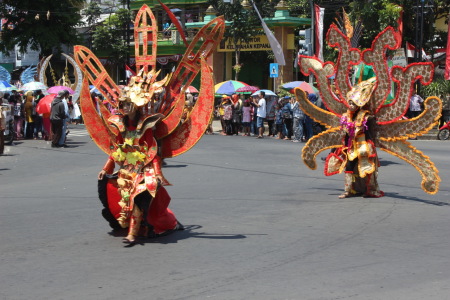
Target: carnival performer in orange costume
[147,127]
[361,118]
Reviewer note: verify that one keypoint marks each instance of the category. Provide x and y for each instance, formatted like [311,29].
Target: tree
[41,25]
[92,13]
[376,15]
[109,36]
[245,24]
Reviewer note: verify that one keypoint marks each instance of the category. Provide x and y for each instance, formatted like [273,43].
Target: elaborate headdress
[360,94]
[141,88]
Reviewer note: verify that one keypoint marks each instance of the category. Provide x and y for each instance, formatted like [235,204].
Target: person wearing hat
[57,117]
[358,153]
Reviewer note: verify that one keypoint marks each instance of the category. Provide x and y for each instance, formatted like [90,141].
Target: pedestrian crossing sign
[273,69]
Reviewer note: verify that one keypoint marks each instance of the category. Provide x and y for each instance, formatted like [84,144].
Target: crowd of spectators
[28,123]
[281,116]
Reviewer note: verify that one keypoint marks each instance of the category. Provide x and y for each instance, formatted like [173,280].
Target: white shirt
[261,112]
[415,103]
[66,107]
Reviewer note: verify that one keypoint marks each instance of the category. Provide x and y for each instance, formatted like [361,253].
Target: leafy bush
[439,88]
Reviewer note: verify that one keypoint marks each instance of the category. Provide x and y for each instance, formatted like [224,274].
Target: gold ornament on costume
[142,87]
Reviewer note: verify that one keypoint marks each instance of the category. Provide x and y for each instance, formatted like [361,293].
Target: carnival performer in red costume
[140,180]
[146,127]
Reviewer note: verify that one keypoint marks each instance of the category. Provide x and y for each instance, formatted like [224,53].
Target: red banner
[318,18]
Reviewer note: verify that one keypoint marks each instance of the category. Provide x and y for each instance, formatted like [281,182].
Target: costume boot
[135,225]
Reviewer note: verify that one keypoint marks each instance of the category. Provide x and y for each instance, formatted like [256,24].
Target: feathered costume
[138,146]
[389,131]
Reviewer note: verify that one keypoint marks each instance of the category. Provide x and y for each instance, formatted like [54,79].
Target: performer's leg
[372,188]
[348,179]
[348,182]
[135,225]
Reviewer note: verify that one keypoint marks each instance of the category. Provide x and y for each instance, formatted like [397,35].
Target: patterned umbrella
[9,89]
[56,89]
[228,87]
[33,86]
[4,86]
[300,84]
[247,89]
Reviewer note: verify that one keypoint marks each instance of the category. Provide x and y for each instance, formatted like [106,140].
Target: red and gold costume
[379,123]
[138,141]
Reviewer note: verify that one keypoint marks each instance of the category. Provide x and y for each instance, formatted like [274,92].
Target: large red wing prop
[169,123]
[96,73]
[190,132]
[145,35]
[204,42]
[95,125]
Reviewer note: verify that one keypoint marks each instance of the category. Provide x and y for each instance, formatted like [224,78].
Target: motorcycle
[9,132]
[444,132]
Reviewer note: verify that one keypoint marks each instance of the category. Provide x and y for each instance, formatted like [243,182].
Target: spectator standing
[271,115]
[260,113]
[228,116]
[38,118]
[246,117]
[57,116]
[299,119]
[253,125]
[30,111]
[279,121]
[415,105]
[18,115]
[189,99]
[221,112]
[237,113]
[65,100]
[287,117]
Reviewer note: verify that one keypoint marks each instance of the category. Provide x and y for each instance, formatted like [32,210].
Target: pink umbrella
[191,89]
[247,89]
[56,89]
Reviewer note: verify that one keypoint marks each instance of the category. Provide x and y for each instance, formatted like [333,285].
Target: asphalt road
[259,225]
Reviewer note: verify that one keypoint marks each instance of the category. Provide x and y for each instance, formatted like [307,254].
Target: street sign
[273,69]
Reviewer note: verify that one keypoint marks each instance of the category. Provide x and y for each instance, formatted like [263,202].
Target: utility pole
[128,37]
[419,36]
[311,3]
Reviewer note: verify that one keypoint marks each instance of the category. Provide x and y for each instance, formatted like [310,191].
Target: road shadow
[394,196]
[384,163]
[75,144]
[407,198]
[190,231]
[174,166]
